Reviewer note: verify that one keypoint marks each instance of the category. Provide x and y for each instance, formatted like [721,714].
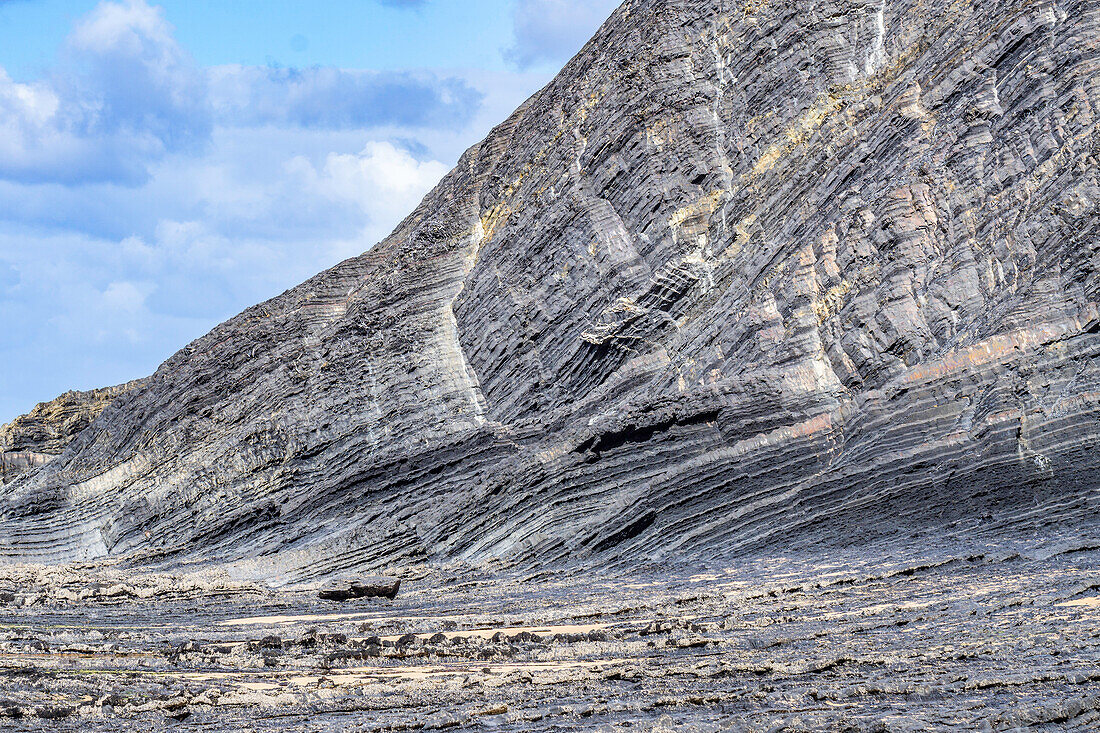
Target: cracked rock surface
[961,637]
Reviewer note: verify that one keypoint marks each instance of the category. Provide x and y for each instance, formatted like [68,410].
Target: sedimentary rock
[33,439]
[980,638]
[743,275]
[372,586]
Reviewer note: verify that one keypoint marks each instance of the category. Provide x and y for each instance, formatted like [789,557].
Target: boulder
[346,589]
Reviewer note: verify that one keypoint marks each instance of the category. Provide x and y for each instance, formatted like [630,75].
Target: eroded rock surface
[744,275]
[34,439]
[978,637]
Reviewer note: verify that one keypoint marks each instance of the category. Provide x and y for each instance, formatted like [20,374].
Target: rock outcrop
[743,275]
[373,586]
[34,439]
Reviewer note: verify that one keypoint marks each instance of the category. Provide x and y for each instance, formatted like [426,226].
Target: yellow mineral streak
[752,7]
[744,226]
[703,207]
[798,133]
[491,221]
[832,301]
[498,215]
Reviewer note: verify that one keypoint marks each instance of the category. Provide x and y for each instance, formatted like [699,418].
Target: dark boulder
[346,589]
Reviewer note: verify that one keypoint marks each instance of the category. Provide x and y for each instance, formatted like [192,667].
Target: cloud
[382,178]
[129,75]
[553,30]
[126,296]
[339,99]
[124,94]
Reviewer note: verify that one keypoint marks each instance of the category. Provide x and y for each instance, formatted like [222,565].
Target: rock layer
[33,439]
[742,275]
[977,638]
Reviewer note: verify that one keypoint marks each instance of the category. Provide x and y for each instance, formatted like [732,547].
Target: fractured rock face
[33,439]
[742,275]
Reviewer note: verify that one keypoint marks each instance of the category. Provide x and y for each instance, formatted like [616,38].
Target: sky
[164,165]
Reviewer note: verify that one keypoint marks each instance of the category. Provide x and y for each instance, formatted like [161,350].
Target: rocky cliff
[34,439]
[744,275]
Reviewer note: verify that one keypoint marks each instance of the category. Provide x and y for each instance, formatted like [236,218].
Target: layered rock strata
[34,439]
[988,638]
[743,275]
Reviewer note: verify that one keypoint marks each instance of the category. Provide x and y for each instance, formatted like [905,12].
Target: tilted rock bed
[744,277]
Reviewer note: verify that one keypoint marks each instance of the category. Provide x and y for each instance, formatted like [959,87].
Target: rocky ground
[965,637]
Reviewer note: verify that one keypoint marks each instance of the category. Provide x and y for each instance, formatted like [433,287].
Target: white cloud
[381,179]
[31,104]
[125,296]
[132,28]
[124,94]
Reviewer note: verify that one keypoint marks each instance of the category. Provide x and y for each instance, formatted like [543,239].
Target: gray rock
[33,439]
[375,586]
[743,276]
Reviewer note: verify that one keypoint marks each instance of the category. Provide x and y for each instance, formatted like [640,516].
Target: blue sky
[165,165]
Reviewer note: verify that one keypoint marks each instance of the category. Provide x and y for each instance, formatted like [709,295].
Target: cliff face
[743,275]
[34,439]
